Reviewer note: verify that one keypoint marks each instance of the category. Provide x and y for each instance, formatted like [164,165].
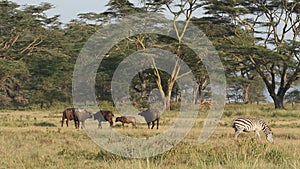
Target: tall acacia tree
[273,52]
[185,9]
[13,72]
[179,9]
[33,63]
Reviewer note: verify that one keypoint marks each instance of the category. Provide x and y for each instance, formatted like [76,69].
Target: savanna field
[35,139]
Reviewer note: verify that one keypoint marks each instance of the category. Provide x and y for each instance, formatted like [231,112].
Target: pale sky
[68,9]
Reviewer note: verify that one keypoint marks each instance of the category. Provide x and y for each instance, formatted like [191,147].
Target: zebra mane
[267,129]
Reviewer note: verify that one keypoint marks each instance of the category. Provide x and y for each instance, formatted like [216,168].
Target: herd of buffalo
[80,115]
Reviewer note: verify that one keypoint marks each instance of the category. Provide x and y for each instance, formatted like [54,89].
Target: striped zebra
[251,124]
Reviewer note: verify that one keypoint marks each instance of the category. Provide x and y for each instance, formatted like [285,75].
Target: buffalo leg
[153,123]
[157,123]
[62,122]
[149,125]
[133,125]
[82,125]
[99,125]
[76,124]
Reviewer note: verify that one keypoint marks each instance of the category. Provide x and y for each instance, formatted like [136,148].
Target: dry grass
[36,140]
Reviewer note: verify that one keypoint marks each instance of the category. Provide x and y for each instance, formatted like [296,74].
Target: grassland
[34,139]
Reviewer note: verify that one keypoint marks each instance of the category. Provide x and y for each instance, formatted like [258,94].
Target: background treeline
[258,43]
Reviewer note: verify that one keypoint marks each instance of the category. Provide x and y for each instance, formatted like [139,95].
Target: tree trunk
[196,94]
[279,97]
[143,87]
[278,101]
[246,93]
[167,103]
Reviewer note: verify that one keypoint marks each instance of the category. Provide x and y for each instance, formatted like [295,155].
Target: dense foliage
[258,43]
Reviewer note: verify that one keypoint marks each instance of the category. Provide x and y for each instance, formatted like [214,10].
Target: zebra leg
[257,134]
[236,134]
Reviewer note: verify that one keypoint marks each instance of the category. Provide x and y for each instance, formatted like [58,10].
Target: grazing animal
[69,114]
[81,115]
[251,124]
[151,115]
[76,114]
[127,120]
[104,115]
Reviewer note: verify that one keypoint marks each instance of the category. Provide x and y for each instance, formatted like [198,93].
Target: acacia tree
[273,52]
[165,83]
[13,72]
[33,64]
[185,9]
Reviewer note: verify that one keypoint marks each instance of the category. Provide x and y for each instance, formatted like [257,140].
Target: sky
[68,9]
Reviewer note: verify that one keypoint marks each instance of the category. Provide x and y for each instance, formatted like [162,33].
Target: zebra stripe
[251,124]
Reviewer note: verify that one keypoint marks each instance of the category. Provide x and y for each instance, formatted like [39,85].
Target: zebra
[251,124]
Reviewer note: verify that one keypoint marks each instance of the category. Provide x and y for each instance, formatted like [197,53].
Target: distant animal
[76,114]
[251,124]
[127,120]
[104,115]
[69,114]
[151,115]
[81,115]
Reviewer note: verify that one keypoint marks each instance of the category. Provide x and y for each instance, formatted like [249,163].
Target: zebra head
[269,136]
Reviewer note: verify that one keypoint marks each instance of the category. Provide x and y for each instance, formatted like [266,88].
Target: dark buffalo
[127,120]
[78,115]
[151,115]
[69,114]
[82,115]
[104,115]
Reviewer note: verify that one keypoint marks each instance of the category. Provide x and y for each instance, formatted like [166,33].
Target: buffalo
[78,115]
[82,115]
[69,114]
[151,115]
[104,115]
[127,120]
